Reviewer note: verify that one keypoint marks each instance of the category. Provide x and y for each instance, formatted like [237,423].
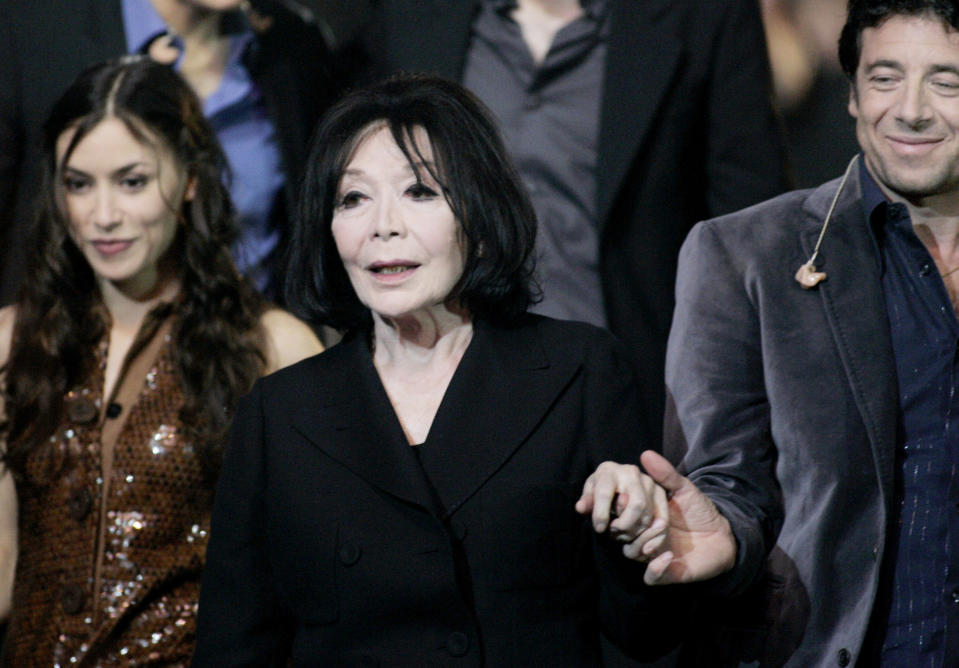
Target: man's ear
[853,106]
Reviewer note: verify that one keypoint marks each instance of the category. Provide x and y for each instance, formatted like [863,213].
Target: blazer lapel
[356,426]
[641,60]
[855,308]
[443,30]
[500,392]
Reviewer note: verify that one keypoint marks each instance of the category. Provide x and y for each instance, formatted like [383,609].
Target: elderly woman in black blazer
[439,487]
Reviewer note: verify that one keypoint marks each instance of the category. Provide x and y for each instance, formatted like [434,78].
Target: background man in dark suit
[820,406]
[629,120]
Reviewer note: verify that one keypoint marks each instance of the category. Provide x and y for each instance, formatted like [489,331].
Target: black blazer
[329,544]
[44,44]
[687,132]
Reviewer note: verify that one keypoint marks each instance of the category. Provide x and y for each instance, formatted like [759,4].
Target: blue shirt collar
[872,194]
[142,24]
[878,209]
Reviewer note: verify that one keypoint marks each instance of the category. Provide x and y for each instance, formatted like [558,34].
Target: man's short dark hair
[478,180]
[872,13]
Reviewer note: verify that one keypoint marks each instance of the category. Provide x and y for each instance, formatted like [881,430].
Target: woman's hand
[627,502]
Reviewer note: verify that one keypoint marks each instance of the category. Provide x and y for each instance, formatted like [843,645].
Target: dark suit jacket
[329,543]
[787,398]
[44,44]
[687,132]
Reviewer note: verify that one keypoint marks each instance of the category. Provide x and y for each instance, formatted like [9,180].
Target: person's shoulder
[8,316]
[569,340]
[287,339]
[340,359]
[569,330]
[767,221]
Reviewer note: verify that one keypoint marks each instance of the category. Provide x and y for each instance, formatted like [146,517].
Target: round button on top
[80,504]
[458,643]
[460,530]
[71,599]
[844,657]
[350,553]
[81,410]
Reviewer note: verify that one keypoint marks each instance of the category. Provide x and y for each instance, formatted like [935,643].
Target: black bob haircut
[496,218]
[872,13]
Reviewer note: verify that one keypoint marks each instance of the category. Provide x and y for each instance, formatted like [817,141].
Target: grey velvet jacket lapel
[855,307]
[503,387]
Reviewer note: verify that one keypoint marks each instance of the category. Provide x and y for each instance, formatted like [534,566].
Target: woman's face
[397,236]
[121,198]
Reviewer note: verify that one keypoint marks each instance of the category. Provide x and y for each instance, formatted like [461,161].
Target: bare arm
[8,540]
[288,339]
[8,492]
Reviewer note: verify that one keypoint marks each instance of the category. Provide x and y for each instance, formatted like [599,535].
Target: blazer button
[458,643]
[459,530]
[71,599]
[350,554]
[81,410]
[79,504]
[844,657]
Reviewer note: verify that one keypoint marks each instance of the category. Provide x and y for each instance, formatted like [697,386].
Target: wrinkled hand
[698,543]
[639,519]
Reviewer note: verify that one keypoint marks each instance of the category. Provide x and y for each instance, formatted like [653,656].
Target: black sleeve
[241,622]
[643,621]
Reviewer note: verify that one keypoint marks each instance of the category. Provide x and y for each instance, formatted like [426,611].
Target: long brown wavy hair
[60,317]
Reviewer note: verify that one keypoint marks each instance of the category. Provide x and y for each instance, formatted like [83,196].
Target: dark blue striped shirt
[923,590]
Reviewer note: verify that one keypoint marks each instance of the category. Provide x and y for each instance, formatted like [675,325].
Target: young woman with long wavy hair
[123,360]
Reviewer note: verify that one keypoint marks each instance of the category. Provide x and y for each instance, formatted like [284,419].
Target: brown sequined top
[109,566]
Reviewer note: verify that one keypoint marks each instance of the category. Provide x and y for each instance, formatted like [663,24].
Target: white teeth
[391,270]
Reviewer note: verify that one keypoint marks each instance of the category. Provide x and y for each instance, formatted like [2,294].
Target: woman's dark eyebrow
[119,171]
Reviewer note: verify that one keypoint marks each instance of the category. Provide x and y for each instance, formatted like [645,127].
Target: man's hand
[699,543]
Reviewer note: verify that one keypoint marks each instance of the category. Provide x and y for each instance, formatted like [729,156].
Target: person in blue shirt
[262,71]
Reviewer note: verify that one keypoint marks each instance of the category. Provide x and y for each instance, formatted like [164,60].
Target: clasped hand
[661,518]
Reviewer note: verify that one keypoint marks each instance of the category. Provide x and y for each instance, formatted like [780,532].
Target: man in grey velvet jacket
[819,406]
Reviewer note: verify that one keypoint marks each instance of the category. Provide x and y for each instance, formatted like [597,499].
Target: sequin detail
[155,524]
